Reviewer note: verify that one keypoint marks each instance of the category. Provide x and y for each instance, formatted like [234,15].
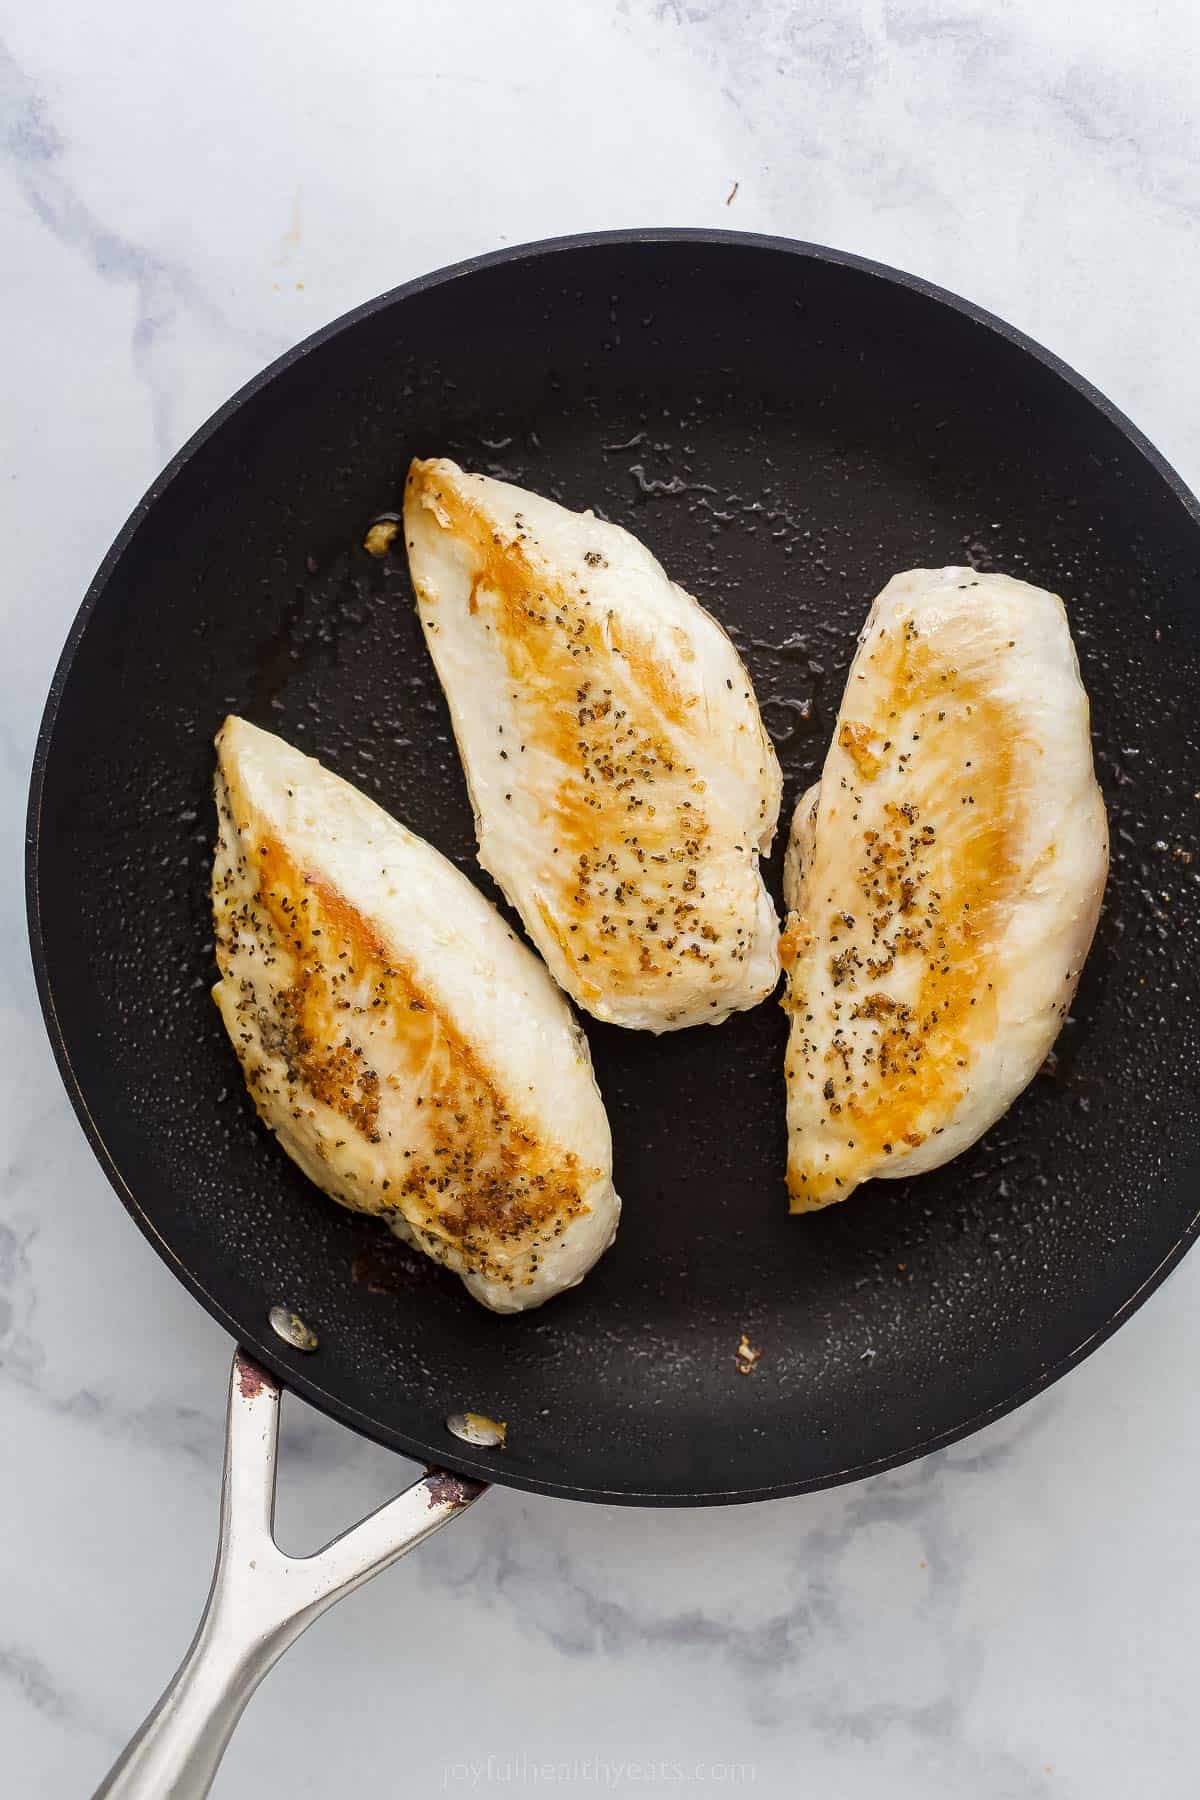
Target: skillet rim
[482,1468]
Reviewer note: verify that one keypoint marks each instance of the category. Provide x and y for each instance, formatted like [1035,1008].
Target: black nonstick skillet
[785,426]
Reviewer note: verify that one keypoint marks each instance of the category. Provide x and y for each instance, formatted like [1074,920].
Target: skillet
[785,426]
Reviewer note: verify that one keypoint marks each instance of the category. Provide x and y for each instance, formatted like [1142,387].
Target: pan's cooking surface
[784,430]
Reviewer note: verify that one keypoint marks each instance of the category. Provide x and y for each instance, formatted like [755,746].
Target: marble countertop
[183,193]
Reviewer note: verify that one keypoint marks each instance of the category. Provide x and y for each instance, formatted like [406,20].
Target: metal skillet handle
[261,1600]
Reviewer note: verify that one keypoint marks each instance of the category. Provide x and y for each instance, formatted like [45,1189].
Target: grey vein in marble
[33,151]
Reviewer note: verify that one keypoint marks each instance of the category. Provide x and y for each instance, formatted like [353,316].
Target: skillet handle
[260,1600]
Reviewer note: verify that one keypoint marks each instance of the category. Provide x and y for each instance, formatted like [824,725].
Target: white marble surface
[184,192]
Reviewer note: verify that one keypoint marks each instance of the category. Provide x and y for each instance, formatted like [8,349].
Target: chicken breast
[407,1051]
[622,781]
[944,881]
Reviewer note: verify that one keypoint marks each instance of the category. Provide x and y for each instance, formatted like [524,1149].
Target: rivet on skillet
[477,1428]
[292,1329]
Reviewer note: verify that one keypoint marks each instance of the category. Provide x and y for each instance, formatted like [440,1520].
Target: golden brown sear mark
[858,742]
[932,888]
[337,1008]
[622,899]
[792,941]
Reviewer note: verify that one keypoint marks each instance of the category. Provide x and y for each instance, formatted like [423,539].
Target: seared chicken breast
[623,784]
[944,881]
[407,1051]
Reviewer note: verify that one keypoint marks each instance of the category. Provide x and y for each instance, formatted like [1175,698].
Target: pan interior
[784,431]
